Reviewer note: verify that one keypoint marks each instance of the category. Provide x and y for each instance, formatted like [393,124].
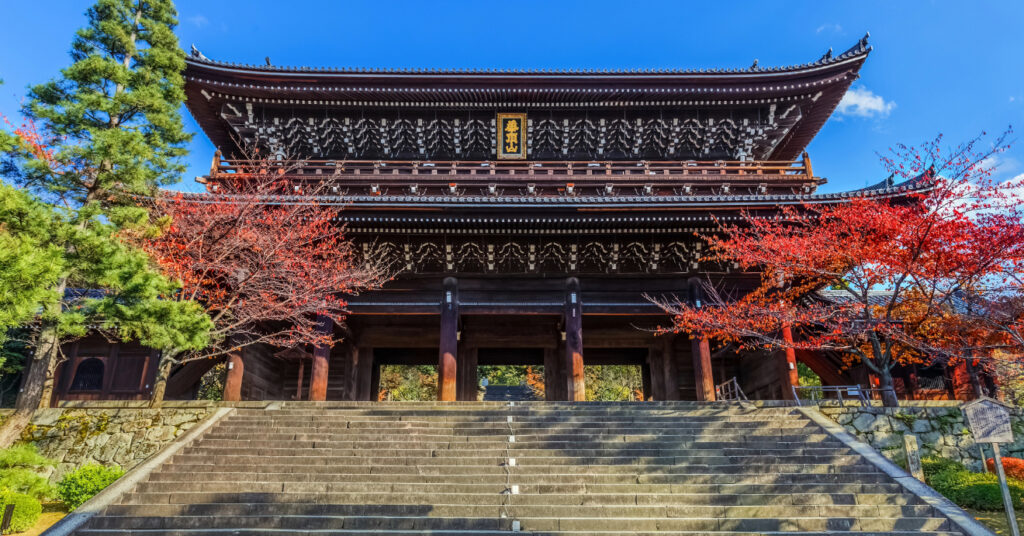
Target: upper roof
[196,58]
[815,88]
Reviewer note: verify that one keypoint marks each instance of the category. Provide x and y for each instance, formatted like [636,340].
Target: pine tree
[103,133]
[30,263]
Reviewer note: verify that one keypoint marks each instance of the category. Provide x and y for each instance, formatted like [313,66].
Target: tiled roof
[859,49]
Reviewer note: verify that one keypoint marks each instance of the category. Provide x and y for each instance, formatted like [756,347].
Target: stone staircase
[611,469]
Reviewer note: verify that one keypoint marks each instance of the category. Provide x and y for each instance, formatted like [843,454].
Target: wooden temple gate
[531,214]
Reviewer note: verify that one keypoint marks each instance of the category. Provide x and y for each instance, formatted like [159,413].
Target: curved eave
[196,59]
[637,203]
[817,87]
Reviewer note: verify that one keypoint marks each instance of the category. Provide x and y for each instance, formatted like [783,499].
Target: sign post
[913,456]
[990,423]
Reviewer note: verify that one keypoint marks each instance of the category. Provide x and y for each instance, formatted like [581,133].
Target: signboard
[511,136]
[989,421]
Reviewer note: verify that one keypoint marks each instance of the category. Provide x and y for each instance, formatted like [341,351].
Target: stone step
[620,499]
[211,473]
[525,417]
[416,466]
[679,454]
[516,511]
[794,435]
[682,464]
[365,441]
[522,435]
[384,532]
[412,522]
[524,489]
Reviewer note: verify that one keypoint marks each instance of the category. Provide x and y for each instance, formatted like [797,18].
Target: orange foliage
[1014,467]
[535,381]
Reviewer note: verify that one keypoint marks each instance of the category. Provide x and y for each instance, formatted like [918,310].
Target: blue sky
[950,67]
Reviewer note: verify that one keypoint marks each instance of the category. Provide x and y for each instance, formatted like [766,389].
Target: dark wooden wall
[129,370]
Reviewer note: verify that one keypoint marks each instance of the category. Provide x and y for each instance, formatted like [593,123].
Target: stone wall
[109,433]
[941,430]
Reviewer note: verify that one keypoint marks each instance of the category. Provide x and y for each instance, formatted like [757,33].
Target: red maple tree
[265,257]
[899,265]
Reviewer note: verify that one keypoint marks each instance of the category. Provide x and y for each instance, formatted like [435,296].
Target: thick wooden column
[321,356]
[645,377]
[233,383]
[350,391]
[364,375]
[656,368]
[551,376]
[702,369]
[449,347]
[574,340]
[467,379]
[375,382]
[789,374]
[668,362]
[302,373]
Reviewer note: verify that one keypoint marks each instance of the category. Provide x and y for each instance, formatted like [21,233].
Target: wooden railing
[649,170]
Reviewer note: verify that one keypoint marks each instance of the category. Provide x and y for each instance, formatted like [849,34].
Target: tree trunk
[33,384]
[163,372]
[889,399]
[972,373]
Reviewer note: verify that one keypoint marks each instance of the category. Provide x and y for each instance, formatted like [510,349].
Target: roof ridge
[860,49]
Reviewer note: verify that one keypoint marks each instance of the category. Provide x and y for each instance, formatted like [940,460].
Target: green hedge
[20,467]
[81,484]
[967,489]
[26,509]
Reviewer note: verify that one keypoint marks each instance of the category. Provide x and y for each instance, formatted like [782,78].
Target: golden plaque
[511,136]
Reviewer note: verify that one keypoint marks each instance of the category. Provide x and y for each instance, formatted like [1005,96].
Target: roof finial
[828,55]
[268,61]
[864,40]
[753,67]
[196,53]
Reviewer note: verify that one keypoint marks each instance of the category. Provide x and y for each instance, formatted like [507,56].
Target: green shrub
[19,471]
[967,489]
[81,484]
[26,509]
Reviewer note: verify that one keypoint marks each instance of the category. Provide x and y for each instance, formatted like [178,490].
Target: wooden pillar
[467,374]
[551,376]
[375,382]
[645,376]
[351,390]
[321,355]
[449,346]
[789,374]
[668,362]
[364,375]
[574,340]
[702,369]
[657,369]
[302,371]
[233,383]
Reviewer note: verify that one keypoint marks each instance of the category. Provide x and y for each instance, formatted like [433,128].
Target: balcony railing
[540,171]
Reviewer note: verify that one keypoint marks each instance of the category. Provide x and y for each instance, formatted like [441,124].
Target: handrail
[730,390]
[853,392]
[598,170]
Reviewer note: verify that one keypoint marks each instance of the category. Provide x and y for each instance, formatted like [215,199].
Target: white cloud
[198,20]
[1014,190]
[861,102]
[830,27]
